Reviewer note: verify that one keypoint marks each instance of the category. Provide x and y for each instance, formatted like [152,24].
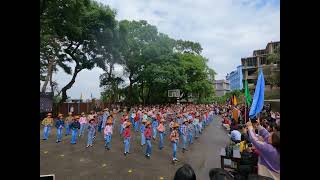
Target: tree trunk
[149,93]
[51,84]
[49,74]
[69,85]
[130,90]
[142,94]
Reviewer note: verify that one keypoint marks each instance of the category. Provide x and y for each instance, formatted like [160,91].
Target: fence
[78,108]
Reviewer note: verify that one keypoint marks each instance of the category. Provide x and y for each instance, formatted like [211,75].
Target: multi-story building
[251,64]
[221,87]
[235,79]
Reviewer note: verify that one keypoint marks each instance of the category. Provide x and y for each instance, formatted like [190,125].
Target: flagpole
[245,107]
[245,111]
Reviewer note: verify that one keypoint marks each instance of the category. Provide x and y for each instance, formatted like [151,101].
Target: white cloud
[227,29]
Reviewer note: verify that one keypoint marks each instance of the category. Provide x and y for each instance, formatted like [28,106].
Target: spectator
[220,174]
[185,173]
[269,150]
[236,135]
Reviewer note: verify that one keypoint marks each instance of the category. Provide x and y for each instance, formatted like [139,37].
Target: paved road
[76,162]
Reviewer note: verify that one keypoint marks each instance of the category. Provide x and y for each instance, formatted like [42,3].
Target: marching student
[184,133]
[122,119]
[142,130]
[147,134]
[190,132]
[200,127]
[91,115]
[171,125]
[108,134]
[83,123]
[154,128]
[126,136]
[136,122]
[59,126]
[174,138]
[91,131]
[47,123]
[67,122]
[100,117]
[161,130]
[196,127]
[74,126]
[104,118]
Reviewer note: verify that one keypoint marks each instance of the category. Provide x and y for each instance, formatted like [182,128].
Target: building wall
[221,87]
[250,65]
[235,79]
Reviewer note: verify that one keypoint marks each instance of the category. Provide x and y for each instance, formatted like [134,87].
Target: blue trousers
[154,129]
[148,150]
[143,139]
[161,140]
[46,132]
[90,138]
[120,129]
[184,141]
[196,131]
[108,141]
[190,137]
[131,119]
[67,126]
[136,126]
[126,144]
[82,128]
[59,134]
[100,126]
[174,146]
[74,133]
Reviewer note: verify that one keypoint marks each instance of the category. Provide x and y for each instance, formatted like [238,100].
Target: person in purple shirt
[269,148]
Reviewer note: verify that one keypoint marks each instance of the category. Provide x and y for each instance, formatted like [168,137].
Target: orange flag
[234,100]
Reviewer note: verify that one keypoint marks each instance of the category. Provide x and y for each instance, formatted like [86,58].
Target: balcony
[249,67]
[253,77]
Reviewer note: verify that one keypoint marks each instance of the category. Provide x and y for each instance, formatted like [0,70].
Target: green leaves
[86,33]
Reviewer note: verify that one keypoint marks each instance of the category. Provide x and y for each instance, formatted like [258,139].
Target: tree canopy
[87,34]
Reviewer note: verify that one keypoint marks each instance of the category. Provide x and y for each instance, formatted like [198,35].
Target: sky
[226,29]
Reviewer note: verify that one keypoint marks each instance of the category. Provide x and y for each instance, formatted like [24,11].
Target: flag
[247,94]
[234,100]
[258,98]
[81,96]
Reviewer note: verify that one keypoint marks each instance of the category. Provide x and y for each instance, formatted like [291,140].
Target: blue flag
[258,98]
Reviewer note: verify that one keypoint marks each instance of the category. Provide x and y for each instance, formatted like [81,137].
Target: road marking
[104,165]
[130,171]
[161,178]
[62,155]
[46,152]
[81,160]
